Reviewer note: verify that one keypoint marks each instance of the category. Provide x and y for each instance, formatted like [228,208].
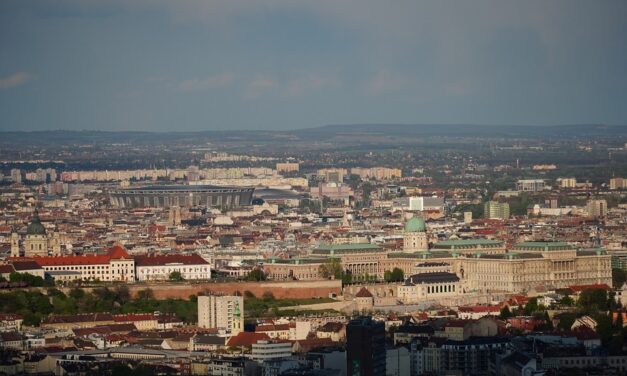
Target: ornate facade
[36,242]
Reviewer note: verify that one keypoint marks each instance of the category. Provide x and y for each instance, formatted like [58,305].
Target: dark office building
[365,347]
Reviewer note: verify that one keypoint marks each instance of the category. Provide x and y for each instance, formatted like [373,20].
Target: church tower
[55,244]
[238,320]
[15,245]
[36,241]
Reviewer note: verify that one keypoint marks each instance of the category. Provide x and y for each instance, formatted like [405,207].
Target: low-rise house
[152,267]
[10,322]
[206,342]
[12,340]
[336,331]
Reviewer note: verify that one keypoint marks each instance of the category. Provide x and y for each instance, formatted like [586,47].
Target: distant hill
[468,130]
[346,132]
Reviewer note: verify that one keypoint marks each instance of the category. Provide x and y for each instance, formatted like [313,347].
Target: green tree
[531,306]
[604,328]
[122,294]
[77,293]
[593,300]
[176,276]
[505,313]
[398,275]
[332,268]
[618,324]
[567,301]
[548,323]
[619,276]
[145,294]
[566,320]
[29,279]
[256,275]
[267,296]
[347,278]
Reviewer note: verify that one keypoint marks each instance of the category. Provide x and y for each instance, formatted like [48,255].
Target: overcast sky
[203,65]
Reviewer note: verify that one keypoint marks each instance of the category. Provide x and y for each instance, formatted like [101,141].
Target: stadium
[164,196]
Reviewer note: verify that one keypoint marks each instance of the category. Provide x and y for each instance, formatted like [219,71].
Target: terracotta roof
[113,253]
[4,269]
[83,317]
[579,288]
[84,332]
[25,265]
[9,317]
[331,327]
[480,309]
[306,345]
[116,252]
[156,260]
[71,260]
[246,339]
[10,336]
[271,328]
[457,323]
[363,293]
[134,317]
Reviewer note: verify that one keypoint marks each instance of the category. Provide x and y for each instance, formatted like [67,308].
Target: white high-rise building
[222,312]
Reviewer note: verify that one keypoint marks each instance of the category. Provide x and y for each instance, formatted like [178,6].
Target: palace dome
[415,224]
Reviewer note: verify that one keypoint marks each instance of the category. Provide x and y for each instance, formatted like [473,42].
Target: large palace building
[164,196]
[481,265]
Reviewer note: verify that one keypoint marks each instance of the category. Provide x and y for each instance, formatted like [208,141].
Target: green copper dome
[35,227]
[415,224]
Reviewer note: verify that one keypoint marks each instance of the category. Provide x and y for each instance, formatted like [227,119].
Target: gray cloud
[14,80]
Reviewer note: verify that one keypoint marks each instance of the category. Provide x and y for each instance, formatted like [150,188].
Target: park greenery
[176,277]
[256,275]
[395,275]
[595,303]
[30,280]
[33,306]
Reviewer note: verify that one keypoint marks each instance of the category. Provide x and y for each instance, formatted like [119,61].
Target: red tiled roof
[306,345]
[25,265]
[479,309]
[81,317]
[4,269]
[271,328]
[113,253]
[363,293]
[134,317]
[71,260]
[456,323]
[9,317]
[246,339]
[84,332]
[579,288]
[155,260]
[116,252]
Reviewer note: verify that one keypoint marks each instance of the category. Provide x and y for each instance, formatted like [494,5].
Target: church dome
[415,224]
[35,227]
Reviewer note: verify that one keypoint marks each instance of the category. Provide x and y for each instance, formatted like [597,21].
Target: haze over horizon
[282,65]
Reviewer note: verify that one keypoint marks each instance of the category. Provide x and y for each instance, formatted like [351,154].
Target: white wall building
[224,312]
[159,267]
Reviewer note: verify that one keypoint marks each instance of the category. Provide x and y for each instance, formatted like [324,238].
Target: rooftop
[437,277]
[346,248]
[467,243]
[543,246]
